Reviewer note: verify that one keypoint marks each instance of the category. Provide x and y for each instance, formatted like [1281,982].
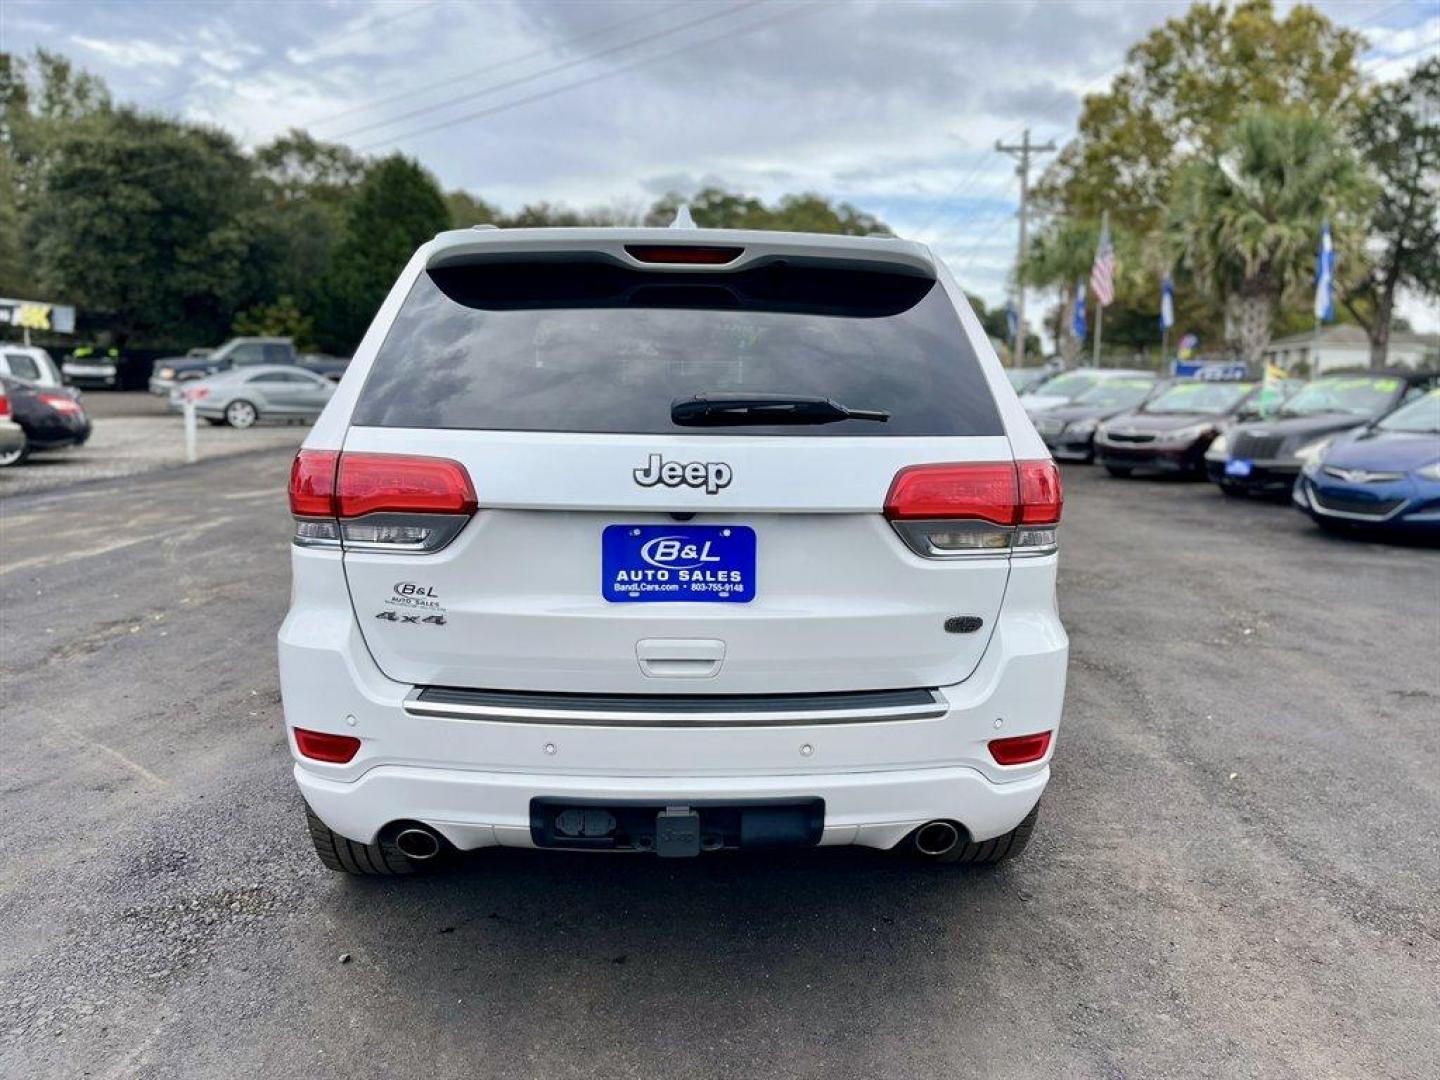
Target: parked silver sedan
[244,396]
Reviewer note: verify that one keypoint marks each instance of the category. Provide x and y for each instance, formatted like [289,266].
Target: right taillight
[4,406]
[399,503]
[976,508]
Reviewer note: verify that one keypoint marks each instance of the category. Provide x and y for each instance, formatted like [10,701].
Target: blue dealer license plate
[1238,467]
[649,564]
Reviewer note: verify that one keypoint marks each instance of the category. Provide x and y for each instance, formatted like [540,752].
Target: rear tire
[241,414]
[380,859]
[1119,470]
[989,852]
[15,457]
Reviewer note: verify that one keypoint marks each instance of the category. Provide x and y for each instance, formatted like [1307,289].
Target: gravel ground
[1235,873]
[133,434]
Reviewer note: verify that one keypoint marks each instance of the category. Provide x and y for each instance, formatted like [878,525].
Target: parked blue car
[1385,475]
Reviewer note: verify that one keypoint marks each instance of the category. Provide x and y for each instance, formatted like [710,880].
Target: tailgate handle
[680,658]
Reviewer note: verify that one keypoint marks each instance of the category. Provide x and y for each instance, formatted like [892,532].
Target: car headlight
[1080,427]
[1309,454]
[167,373]
[1219,447]
[1429,472]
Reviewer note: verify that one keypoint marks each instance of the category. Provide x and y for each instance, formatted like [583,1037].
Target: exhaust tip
[417,844]
[936,838]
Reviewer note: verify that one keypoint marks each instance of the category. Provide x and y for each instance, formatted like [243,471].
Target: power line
[574,61]
[588,80]
[450,80]
[412,9]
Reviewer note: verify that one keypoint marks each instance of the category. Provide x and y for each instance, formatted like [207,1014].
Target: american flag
[1102,274]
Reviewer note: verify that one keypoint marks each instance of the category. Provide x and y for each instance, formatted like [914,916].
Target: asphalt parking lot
[1236,873]
[135,433]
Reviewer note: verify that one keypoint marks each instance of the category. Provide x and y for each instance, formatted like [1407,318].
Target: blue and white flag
[1167,305]
[1012,320]
[1077,323]
[1325,277]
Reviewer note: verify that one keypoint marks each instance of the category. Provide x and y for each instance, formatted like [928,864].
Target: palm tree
[1060,255]
[1247,222]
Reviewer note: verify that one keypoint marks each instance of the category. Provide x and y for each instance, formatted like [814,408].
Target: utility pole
[1022,154]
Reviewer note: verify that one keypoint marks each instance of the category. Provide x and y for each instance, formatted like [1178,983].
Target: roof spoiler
[688,250]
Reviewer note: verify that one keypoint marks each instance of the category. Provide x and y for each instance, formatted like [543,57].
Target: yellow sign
[33,316]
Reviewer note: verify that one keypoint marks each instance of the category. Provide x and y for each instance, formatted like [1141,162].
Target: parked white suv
[650,540]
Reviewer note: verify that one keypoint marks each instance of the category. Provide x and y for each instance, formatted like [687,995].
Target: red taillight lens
[60,403]
[312,483]
[400,484]
[1020,749]
[1041,497]
[322,746]
[4,406]
[693,255]
[378,502]
[983,490]
[1023,493]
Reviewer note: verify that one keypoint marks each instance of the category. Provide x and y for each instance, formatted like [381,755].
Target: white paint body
[842,604]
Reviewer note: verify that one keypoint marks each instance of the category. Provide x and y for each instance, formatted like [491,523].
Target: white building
[1348,347]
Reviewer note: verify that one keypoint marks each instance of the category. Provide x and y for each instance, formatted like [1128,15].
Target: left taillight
[4,406]
[400,503]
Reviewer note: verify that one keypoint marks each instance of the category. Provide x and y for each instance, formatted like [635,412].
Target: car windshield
[1200,397]
[1019,377]
[1420,417]
[1117,393]
[1067,386]
[1359,396]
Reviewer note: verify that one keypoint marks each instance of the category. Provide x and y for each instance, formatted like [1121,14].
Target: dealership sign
[37,315]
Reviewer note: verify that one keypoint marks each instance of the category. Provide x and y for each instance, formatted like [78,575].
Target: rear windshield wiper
[734,410]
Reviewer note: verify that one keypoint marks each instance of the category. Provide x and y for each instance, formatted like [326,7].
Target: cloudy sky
[893,105]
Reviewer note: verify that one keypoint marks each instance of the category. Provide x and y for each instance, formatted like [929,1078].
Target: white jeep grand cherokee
[660,541]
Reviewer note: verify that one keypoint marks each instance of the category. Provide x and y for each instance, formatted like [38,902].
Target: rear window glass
[596,347]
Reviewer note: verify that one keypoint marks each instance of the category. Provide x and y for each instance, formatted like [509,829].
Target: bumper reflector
[322,746]
[1020,749]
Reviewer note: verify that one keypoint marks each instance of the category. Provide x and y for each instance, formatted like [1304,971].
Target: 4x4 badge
[710,475]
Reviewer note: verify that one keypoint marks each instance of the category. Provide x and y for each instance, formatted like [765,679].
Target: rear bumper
[483,809]
[472,778]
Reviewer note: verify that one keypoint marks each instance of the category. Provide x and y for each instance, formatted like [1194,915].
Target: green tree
[143,224]
[467,210]
[1398,135]
[1245,221]
[1060,256]
[1180,91]
[308,188]
[38,99]
[300,167]
[283,318]
[716,208]
[397,207]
